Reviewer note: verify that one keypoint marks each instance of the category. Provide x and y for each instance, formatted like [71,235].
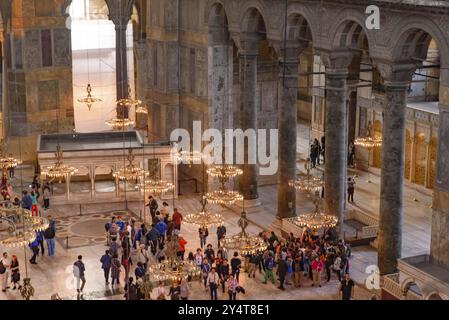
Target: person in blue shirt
[140,271]
[34,246]
[121,224]
[152,237]
[27,201]
[106,265]
[40,240]
[161,228]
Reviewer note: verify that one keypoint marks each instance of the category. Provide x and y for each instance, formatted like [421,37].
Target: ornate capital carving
[396,73]
[247,43]
[336,62]
[120,12]
[289,51]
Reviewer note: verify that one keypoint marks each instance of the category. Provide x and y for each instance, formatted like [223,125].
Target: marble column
[392,177]
[336,146]
[121,63]
[220,86]
[120,14]
[248,118]
[288,97]
[439,249]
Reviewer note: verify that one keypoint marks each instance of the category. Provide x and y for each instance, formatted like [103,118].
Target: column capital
[396,74]
[120,12]
[336,62]
[247,43]
[289,51]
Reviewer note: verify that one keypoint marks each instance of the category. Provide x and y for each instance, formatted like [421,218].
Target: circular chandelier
[89,100]
[128,101]
[173,268]
[154,186]
[242,241]
[224,197]
[307,183]
[130,171]
[368,141]
[59,169]
[189,157]
[204,218]
[7,161]
[224,171]
[20,227]
[119,123]
[142,110]
[315,220]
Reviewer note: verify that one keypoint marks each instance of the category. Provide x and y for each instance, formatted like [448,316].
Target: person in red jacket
[181,247]
[317,268]
[177,219]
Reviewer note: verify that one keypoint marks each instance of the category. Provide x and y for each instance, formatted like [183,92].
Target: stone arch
[349,31]
[217,21]
[407,284]
[299,10]
[413,36]
[298,29]
[253,21]
[433,295]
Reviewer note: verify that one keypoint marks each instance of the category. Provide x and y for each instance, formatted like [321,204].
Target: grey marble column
[220,86]
[288,97]
[121,63]
[391,188]
[336,146]
[248,119]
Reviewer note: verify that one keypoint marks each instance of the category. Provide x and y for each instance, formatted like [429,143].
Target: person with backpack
[115,269]
[282,272]
[203,233]
[34,246]
[221,233]
[152,205]
[161,228]
[106,265]
[233,284]
[175,290]
[223,272]
[15,272]
[130,289]
[5,268]
[49,235]
[46,197]
[79,270]
[205,269]
[269,266]
[236,264]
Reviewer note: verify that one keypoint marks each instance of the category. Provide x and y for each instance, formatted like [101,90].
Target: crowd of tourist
[294,262]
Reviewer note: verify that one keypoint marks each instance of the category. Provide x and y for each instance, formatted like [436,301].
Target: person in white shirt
[212,280]
[6,262]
